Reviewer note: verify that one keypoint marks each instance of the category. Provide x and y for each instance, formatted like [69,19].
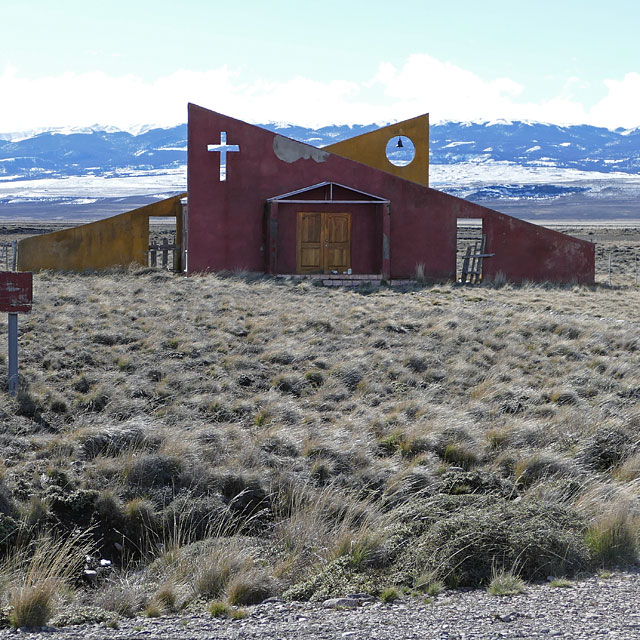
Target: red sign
[16,291]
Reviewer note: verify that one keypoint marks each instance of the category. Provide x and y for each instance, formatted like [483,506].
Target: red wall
[226,218]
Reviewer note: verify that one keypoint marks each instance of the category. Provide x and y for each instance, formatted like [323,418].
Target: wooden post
[165,252]
[13,354]
[386,241]
[14,246]
[154,257]
[177,253]
[610,252]
[465,265]
[636,267]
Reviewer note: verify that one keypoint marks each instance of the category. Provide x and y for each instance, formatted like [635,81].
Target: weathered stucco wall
[226,218]
[118,240]
[370,149]
[227,227]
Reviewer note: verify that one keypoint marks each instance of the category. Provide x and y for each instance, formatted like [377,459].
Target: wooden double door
[323,242]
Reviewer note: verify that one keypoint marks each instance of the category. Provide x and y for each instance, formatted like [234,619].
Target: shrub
[94,400]
[251,587]
[462,537]
[122,595]
[219,609]
[612,541]
[389,594]
[429,584]
[540,466]
[112,442]
[141,524]
[7,506]
[315,377]
[36,512]
[460,454]
[505,583]
[561,583]
[32,605]
[153,470]
[58,405]
[607,448]
[476,482]
[8,532]
[215,569]
[167,597]
[51,565]
[28,404]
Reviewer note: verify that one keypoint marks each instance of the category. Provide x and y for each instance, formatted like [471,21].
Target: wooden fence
[167,253]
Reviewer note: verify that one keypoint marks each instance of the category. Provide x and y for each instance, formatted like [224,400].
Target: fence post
[165,252]
[13,354]
[610,252]
[14,246]
[154,258]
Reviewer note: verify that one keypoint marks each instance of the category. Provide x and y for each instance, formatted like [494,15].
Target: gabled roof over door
[332,191]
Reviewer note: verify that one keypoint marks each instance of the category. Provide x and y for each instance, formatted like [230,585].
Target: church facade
[259,201]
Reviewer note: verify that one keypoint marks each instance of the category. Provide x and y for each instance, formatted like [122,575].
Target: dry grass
[296,420]
[35,575]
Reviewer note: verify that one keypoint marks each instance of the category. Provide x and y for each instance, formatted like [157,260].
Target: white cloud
[619,108]
[421,84]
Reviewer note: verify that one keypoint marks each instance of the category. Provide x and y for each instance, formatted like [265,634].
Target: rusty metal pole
[13,354]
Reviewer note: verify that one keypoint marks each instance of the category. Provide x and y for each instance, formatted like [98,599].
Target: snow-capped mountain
[484,162]
[102,151]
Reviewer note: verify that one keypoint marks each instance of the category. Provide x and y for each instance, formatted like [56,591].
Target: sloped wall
[118,240]
[370,149]
[523,251]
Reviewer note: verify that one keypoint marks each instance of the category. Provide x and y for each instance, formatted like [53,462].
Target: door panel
[337,246]
[323,242]
[310,243]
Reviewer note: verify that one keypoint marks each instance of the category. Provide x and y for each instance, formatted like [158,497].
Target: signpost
[16,296]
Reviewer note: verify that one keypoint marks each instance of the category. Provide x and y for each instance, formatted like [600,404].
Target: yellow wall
[118,240]
[370,149]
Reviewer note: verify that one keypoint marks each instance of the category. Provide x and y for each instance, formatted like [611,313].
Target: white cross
[223,147]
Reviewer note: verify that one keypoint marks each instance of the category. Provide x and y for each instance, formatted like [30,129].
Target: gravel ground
[592,608]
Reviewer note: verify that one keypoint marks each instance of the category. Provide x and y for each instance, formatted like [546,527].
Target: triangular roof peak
[366,197]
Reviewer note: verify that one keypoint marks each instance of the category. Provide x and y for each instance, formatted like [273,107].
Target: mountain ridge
[108,152]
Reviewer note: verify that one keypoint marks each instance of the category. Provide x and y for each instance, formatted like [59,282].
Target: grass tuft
[613,541]
[37,575]
[561,583]
[505,583]
[389,594]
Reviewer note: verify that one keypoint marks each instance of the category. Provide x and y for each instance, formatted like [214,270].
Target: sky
[75,63]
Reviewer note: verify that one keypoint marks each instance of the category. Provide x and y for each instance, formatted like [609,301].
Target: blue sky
[67,62]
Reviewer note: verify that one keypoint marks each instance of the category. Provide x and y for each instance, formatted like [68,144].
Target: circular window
[400,151]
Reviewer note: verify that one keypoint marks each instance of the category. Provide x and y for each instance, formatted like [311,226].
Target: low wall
[118,240]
